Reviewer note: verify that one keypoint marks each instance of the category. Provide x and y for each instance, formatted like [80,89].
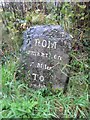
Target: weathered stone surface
[45,56]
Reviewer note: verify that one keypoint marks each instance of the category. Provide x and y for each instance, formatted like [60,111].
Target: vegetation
[19,101]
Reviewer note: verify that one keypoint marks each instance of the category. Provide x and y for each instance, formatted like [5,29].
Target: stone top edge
[43,26]
[42,31]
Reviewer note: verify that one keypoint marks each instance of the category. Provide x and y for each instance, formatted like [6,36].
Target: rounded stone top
[51,32]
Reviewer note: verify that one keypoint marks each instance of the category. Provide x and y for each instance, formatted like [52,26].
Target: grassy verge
[19,101]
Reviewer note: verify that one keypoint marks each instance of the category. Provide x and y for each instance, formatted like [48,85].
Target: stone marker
[45,56]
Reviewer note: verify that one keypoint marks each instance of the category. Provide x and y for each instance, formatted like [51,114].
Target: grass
[19,101]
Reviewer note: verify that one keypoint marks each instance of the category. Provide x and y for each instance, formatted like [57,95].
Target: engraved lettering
[39,65]
[42,54]
[37,42]
[53,45]
[35,76]
[48,44]
[44,43]
[55,56]
[59,58]
[41,78]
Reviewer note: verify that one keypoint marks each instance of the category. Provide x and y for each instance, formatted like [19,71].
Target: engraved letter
[37,42]
[35,75]
[55,56]
[53,45]
[59,57]
[41,78]
[48,44]
[39,65]
[44,43]
[42,54]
